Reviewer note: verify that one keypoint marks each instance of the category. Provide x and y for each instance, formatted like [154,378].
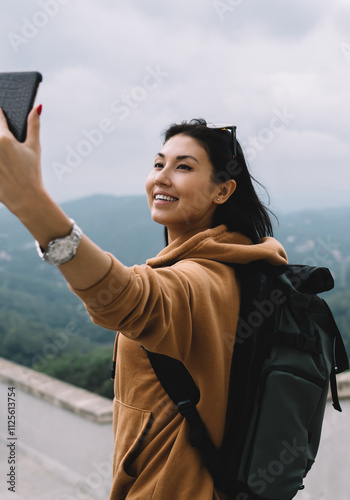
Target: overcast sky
[116,73]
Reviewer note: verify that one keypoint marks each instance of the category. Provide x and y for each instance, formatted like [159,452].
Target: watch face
[59,252]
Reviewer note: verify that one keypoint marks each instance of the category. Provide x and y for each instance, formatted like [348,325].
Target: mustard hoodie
[183,303]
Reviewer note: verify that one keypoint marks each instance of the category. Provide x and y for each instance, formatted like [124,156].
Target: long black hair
[243,212]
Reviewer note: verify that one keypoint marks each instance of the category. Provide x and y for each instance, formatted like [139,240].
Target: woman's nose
[162,177]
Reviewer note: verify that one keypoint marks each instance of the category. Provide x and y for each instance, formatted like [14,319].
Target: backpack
[287,353]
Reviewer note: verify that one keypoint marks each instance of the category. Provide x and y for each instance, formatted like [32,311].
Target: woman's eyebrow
[179,157]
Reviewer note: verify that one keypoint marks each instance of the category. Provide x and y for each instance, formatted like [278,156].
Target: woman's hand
[20,171]
[23,192]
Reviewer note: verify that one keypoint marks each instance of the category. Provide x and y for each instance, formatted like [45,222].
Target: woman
[184,302]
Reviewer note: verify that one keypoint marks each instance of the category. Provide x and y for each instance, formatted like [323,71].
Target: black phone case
[17,96]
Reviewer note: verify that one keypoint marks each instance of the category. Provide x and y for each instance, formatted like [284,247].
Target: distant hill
[319,238]
[121,225]
[43,325]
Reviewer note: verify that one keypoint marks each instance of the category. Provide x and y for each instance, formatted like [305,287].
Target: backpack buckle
[185,407]
[306,343]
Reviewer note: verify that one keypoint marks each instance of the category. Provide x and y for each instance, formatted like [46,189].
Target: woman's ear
[226,190]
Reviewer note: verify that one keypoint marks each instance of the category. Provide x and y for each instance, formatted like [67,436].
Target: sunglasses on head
[232,128]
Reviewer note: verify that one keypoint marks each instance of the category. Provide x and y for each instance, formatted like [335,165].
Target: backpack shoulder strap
[174,377]
[183,391]
[340,360]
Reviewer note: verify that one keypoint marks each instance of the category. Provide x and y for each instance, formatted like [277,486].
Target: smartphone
[17,96]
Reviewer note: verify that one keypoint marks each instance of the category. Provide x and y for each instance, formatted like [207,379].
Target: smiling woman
[182,194]
[242,212]
[175,304]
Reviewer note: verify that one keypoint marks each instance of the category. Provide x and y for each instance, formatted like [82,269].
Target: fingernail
[39,109]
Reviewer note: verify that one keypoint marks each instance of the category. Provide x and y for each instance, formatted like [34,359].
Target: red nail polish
[39,109]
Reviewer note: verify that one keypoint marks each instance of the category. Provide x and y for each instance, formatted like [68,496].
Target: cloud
[259,58]
[290,19]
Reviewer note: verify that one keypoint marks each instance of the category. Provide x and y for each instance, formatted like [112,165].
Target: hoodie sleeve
[158,307]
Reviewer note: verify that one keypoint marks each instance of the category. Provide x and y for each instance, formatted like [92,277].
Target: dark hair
[243,211]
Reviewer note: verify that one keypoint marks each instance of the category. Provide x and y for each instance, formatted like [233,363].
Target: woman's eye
[158,165]
[184,167]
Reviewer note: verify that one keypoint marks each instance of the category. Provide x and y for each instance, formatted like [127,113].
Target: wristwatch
[61,250]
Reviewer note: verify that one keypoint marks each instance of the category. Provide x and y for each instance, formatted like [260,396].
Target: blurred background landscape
[44,326]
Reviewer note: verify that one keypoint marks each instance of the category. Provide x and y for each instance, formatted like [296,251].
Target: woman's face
[181,193]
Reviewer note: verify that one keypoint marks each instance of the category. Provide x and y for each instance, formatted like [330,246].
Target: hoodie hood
[220,245]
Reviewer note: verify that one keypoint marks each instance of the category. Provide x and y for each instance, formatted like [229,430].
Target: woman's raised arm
[23,192]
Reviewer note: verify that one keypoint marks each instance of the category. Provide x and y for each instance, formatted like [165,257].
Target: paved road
[35,482]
